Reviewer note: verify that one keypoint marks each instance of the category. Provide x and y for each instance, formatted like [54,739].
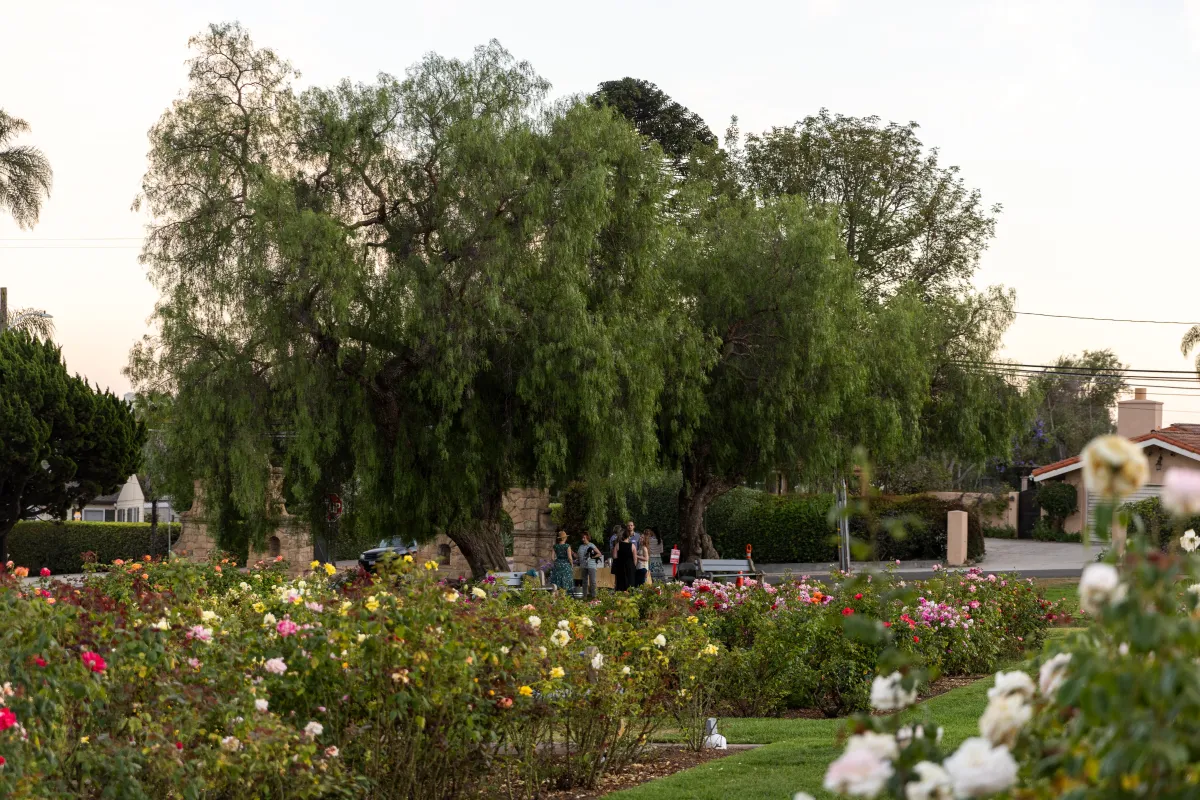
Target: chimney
[1138,416]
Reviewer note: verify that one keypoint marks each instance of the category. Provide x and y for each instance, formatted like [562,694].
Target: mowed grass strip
[797,753]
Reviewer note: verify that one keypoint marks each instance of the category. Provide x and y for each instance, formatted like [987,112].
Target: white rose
[1099,585]
[161,625]
[261,705]
[933,783]
[534,621]
[560,638]
[1053,673]
[269,619]
[598,661]
[859,773]
[451,596]
[563,625]
[231,744]
[887,693]
[208,616]
[1114,467]
[1004,718]
[504,650]
[979,770]
[1015,682]
[314,729]
[275,666]
[478,593]
[660,641]
[881,744]
[624,670]
[1189,541]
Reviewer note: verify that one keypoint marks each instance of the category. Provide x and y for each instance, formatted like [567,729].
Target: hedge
[797,528]
[61,545]
[1160,525]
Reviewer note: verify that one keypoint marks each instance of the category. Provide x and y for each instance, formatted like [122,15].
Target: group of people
[636,559]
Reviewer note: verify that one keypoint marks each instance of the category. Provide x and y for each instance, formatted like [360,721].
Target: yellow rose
[259,607]
[314,565]
[1114,467]
[557,672]
[408,559]
[372,604]
[330,570]
[525,691]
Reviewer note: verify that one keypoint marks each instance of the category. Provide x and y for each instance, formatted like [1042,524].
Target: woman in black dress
[623,562]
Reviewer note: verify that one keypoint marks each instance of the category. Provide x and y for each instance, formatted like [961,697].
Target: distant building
[127,505]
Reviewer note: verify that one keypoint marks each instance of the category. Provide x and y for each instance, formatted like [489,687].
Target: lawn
[1064,590]
[796,754]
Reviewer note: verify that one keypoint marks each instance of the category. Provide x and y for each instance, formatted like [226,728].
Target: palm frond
[33,321]
[25,174]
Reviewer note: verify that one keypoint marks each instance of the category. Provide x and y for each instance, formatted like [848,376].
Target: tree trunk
[699,489]
[154,522]
[480,540]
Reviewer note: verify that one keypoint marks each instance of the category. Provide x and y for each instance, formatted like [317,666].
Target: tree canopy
[1075,398]
[25,174]
[61,441]
[434,289]
[905,219]
[656,116]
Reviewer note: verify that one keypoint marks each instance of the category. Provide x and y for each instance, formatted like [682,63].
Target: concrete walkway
[1024,556]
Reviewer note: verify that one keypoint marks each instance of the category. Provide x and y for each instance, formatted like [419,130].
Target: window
[444,554]
[273,546]
[93,515]
[134,515]
[110,515]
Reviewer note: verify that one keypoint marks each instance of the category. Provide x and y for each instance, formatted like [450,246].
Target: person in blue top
[561,574]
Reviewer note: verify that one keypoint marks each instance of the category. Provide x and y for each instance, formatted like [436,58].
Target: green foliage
[576,510]
[999,532]
[1046,531]
[61,441]
[61,546]
[1157,523]
[432,290]
[25,174]
[1059,500]
[656,116]
[1072,408]
[904,218]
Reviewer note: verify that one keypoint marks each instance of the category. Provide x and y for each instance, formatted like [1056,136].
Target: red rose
[2,761]
[887,624]
[93,661]
[847,611]
[41,662]
[45,572]
[7,719]
[179,745]
[858,596]
[917,639]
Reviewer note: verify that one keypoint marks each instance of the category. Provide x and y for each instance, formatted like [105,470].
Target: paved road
[1029,558]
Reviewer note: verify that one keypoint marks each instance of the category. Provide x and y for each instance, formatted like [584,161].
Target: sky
[1078,117]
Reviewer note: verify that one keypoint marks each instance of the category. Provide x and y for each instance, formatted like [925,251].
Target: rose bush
[171,679]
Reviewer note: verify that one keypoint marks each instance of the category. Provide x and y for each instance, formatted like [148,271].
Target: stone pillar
[956,539]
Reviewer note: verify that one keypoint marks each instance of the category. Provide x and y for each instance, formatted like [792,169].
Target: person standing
[642,562]
[623,562]
[590,560]
[658,573]
[561,574]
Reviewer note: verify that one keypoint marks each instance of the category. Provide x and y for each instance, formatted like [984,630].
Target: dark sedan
[396,545]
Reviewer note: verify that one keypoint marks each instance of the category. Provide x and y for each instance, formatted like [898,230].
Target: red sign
[333,507]
[675,554]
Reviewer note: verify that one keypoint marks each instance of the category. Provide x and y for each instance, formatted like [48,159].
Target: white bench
[719,569]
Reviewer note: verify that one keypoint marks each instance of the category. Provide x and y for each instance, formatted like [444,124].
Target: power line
[72,239]
[1105,319]
[1055,366]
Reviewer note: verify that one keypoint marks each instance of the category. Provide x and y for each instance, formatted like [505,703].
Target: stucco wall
[1008,518]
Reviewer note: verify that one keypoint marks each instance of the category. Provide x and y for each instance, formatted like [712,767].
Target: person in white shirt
[590,559]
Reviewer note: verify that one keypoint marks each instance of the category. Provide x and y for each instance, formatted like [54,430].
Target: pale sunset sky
[1079,117]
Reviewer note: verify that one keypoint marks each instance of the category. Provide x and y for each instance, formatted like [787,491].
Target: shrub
[1045,531]
[59,546]
[1059,500]
[999,532]
[1159,526]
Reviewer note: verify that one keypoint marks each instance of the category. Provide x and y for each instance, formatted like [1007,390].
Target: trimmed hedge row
[60,545]
[798,528]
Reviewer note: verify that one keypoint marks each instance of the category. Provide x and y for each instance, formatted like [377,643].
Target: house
[127,505]
[1140,421]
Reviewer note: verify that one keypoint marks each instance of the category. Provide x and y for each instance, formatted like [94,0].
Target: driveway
[1024,556]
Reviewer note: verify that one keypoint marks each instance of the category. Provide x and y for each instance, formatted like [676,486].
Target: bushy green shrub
[1045,531]
[1059,500]
[1159,526]
[60,546]
[999,532]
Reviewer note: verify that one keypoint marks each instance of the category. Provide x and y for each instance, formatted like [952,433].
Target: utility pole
[3,308]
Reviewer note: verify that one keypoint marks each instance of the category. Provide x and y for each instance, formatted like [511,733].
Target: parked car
[396,545]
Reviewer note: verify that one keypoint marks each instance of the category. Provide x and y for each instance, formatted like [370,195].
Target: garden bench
[720,569]
[516,580]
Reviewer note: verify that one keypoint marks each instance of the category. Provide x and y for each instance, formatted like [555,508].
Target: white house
[127,505]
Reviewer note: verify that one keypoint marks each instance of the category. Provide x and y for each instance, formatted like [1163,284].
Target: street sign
[333,507]
[674,560]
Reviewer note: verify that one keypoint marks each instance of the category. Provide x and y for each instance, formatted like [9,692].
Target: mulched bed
[658,762]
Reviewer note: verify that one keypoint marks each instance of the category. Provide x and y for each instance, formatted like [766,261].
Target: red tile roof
[1185,436]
